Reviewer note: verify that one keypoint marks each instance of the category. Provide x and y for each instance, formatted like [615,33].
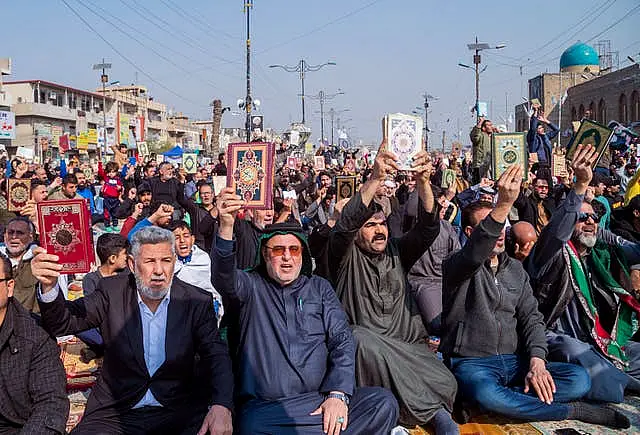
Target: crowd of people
[412,302]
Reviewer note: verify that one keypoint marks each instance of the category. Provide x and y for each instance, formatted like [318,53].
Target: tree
[214,148]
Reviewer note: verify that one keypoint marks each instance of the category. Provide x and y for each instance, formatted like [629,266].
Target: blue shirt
[154,333]
[88,194]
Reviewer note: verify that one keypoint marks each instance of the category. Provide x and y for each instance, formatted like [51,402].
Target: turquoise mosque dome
[579,55]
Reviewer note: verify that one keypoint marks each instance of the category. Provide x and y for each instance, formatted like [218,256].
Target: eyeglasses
[294,251]
[5,279]
[583,217]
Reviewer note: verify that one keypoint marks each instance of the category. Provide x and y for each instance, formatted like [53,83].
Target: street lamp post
[302,67]
[248,103]
[104,78]
[322,96]
[332,115]
[477,48]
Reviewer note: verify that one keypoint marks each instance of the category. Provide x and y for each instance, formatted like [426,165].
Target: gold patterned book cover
[509,149]
[18,193]
[590,133]
[346,187]
[250,172]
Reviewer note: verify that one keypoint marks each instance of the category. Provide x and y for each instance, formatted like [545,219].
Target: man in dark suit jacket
[33,396]
[153,326]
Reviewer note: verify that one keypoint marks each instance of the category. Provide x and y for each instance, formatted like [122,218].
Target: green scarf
[626,323]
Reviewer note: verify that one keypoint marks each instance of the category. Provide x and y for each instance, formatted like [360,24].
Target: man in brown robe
[369,273]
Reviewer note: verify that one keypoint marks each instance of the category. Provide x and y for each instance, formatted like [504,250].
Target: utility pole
[214,148]
[322,96]
[104,78]
[302,67]
[247,102]
[477,48]
[444,132]
[427,97]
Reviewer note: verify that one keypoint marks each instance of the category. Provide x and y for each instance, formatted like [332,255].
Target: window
[85,103]
[622,109]
[581,111]
[635,107]
[43,97]
[574,114]
[592,111]
[602,111]
[72,102]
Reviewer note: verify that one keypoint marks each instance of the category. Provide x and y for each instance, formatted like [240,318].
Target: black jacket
[486,314]
[191,330]
[33,395]
[527,206]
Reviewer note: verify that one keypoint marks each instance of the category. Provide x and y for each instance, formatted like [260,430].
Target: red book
[65,231]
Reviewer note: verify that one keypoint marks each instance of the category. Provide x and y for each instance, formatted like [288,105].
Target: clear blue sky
[388,52]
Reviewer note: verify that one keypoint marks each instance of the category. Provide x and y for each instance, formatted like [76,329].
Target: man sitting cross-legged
[493,334]
[294,364]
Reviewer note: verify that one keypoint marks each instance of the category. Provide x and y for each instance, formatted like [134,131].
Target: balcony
[45,111]
[156,125]
[5,99]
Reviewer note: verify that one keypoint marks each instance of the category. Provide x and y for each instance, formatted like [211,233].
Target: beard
[150,293]
[16,252]
[588,240]
[498,250]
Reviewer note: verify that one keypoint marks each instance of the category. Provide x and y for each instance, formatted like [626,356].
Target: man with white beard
[153,325]
[585,292]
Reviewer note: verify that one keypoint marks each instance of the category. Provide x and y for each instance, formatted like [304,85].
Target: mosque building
[586,89]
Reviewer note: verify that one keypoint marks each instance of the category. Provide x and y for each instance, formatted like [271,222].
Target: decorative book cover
[346,187]
[318,163]
[590,133]
[18,193]
[509,149]
[250,172]
[448,178]
[404,137]
[291,162]
[559,165]
[190,163]
[219,183]
[66,232]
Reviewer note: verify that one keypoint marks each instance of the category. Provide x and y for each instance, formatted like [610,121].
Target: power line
[208,28]
[624,17]
[323,26]
[125,58]
[145,13]
[588,15]
[153,50]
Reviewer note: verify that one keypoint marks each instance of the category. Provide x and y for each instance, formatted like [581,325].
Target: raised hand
[228,205]
[581,164]
[385,163]
[508,186]
[45,268]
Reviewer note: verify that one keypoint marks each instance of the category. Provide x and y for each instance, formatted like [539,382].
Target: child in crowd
[111,190]
[112,252]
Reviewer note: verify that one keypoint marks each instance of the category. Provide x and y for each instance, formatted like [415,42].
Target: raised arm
[414,243]
[58,316]
[224,273]
[559,230]
[463,264]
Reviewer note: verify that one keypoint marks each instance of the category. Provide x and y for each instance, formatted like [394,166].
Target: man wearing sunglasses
[585,293]
[294,359]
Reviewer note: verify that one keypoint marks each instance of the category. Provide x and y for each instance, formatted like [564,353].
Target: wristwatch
[339,396]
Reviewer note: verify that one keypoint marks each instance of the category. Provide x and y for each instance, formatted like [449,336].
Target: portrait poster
[143,149]
[448,178]
[345,186]
[350,166]
[65,231]
[18,193]
[318,163]
[250,172]
[590,133]
[404,137]
[291,162]
[190,163]
[509,149]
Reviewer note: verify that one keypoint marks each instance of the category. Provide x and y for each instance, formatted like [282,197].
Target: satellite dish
[240,103]
[256,103]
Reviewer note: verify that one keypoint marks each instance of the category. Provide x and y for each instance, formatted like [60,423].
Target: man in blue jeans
[493,334]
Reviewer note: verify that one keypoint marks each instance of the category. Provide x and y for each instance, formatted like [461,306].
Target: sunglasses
[294,251]
[583,217]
